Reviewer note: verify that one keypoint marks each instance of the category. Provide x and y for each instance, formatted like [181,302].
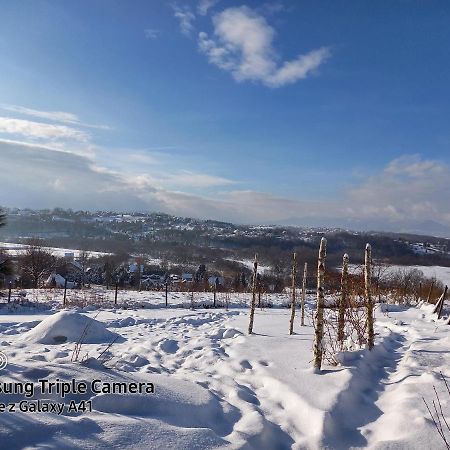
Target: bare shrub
[438,416]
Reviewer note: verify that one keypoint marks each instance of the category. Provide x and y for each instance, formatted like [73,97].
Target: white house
[56,280]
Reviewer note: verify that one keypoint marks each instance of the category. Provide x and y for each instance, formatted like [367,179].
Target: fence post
[367,283]
[9,291]
[65,292]
[305,273]
[253,303]
[444,295]
[167,293]
[440,304]
[293,287]
[259,295]
[343,300]
[115,293]
[216,283]
[318,336]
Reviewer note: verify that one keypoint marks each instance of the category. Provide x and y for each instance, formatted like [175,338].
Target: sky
[298,112]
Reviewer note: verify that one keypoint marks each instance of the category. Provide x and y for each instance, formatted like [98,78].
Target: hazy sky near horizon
[248,111]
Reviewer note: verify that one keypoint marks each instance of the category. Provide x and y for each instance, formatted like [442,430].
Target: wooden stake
[293,305]
[343,300]
[440,304]
[318,318]
[367,283]
[254,286]
[65,292]
[305,272]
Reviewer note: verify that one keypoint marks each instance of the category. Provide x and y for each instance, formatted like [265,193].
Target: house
[58,281]
[69,256]
[187,277]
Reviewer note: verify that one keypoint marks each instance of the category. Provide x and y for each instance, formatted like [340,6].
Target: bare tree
[37,262]
[83,261]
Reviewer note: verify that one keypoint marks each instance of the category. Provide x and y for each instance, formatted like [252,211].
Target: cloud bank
[408,192]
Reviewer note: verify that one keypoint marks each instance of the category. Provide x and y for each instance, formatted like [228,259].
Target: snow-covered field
[441,273]
[214,385]
[438,272]
[18,249]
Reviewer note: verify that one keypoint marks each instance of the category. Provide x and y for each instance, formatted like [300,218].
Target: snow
[18,249]
[218,387]
[262,269]
[441,273]
[70,326]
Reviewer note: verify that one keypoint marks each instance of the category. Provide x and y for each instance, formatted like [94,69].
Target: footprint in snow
[168,346]
[246,365]
[246,394]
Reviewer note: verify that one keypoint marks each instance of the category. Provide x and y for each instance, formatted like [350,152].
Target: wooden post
[305,271]
[259,296]
[192,296]
[343,300]
[65,291]
[367,284]
[430,291]
[293,287]
[115,294]
[318,336]
[444,295]
[253,303]
[9,291]
[167,293]
[216,284]
[420,292]
[440,304]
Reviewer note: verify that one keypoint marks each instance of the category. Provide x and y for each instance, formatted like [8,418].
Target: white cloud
[53,116]
[205,5]
[189,179]
[408,188]
[41,176]
[243,45]
[185,17]
[151,33]
[39,130]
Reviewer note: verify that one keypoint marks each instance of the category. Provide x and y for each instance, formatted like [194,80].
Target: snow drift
[70,326]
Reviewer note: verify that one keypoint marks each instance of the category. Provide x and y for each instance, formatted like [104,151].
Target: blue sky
[294,112]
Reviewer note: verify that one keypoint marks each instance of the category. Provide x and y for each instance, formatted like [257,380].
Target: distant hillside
[192,242]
